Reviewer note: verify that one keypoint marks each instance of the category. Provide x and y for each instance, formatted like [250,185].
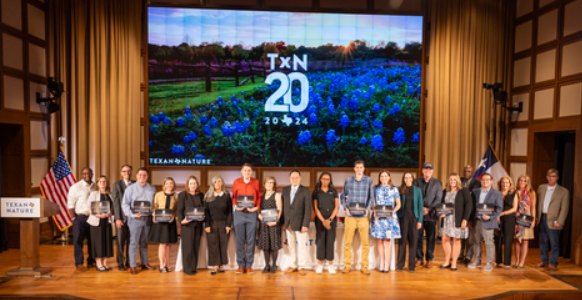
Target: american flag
[55,188]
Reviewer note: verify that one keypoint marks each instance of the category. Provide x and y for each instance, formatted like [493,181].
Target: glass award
[143,207]
[270,215]
[524,220]
[163,215]
[357,209]
[245,202]
[383,211]
[100,207]
[445,209]
[485,209]
[194,213]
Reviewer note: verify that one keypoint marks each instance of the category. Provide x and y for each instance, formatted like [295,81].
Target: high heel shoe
[267,269]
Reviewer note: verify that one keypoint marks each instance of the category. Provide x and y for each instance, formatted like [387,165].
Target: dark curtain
[564,151]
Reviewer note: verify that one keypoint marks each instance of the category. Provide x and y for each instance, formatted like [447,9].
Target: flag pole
[65,233]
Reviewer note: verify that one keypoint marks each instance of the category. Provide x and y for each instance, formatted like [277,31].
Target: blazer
[160,202]
[493,197]
[558,208]
[474,184]
[418,204]
[92,220]
[463,206]
[117,192]
[432,197]
[299,214]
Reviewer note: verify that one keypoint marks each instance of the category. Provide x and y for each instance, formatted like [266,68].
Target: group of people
[412,214]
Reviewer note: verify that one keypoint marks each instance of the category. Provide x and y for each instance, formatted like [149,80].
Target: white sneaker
[331,269]
[319,269]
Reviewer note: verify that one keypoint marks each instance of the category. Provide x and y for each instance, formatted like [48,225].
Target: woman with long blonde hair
[526,206]
[165,233]
[506,220]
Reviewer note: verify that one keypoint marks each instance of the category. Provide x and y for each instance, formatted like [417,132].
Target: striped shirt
[361,191]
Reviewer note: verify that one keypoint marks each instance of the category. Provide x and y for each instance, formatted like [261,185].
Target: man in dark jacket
[432,193]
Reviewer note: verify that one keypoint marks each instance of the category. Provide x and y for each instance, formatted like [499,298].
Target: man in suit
[296,216]
[482,228]
[553,206]
[139,225]
[432,193]
[470,183]
[120,219]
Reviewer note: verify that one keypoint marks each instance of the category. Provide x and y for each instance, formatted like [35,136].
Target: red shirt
[240,188]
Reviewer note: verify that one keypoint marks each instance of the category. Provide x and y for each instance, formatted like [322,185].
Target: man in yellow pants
[358,194]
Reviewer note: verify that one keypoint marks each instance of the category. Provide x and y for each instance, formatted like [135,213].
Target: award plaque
[163,215]
[245,202]
[357,209]
[383,211]
[524,220]
[270,215]
[485,209]
[194,213]
[445,209]
[143,207]
[100,207]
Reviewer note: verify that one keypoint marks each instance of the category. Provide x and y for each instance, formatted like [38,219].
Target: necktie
[293,191]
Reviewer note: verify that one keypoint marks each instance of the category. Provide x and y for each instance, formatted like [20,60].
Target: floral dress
[385,228]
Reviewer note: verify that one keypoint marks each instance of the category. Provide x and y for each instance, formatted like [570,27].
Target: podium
[29,211]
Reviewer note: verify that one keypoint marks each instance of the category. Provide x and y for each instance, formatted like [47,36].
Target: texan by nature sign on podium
[29,211]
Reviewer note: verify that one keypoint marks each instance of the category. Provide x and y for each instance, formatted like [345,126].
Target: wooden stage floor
[424,284]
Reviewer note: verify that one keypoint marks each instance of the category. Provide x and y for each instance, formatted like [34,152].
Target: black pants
[217,240]
[81,231]
[505,239]
[409,235]
[122,245]
[190,235]
[325,240]
[429,227]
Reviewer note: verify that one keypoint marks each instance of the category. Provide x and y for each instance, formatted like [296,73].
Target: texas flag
[490,164]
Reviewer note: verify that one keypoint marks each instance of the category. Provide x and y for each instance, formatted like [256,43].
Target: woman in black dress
[270,233]
[326,205]
[100,231]
[218,223]
[165,233]
[191,231]
[506,222]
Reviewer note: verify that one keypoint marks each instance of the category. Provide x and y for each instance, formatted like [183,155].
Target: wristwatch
[331,219]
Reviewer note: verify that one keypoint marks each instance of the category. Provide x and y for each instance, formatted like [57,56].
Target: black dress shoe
[273,269]
[220,270]
[467,261]
[453,269]
[399,270]
[444,267]
[189,273]
[266,270]
[122,268]
[411,271]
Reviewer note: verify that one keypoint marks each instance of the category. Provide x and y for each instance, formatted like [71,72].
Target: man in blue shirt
[139,225]
[357,189]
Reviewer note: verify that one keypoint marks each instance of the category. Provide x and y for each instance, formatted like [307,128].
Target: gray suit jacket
[493,197]
[432,198]
[558,208]
[117,192]
[299,214]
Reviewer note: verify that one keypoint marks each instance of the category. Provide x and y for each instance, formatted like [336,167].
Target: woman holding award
[100,221]
[270,232]
[218,223]
[190,230]
[526,206]
[455,225]
[164,230]
[385,228]
[326,204]
[506,222]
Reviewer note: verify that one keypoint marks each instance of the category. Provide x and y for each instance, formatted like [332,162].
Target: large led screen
[283,89]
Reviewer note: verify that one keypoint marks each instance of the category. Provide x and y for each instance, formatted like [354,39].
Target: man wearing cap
[432,192]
